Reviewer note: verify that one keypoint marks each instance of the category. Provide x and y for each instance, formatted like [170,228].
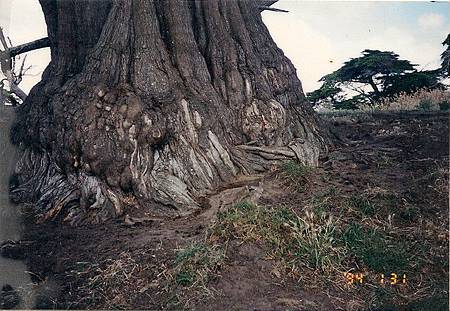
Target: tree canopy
[373,75]
[370,69]
[326,93]
[411,82]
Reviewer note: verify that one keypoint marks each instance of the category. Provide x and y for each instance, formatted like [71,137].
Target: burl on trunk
[160,101]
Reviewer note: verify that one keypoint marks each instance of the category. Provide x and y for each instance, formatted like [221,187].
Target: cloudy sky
[318,36]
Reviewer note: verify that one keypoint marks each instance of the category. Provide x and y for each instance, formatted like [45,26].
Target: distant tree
[352,103]
[325,94]
[411,82]
[328,94]
[371,69]
[445,57]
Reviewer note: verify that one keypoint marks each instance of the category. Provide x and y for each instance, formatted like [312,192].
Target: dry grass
[423,99]
[196,264]
[126,281]
[130,200]
[116,283]
[295,241]
[187,275]
[381,234]
[372,232]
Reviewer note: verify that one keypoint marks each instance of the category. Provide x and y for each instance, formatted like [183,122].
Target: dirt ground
[386,173]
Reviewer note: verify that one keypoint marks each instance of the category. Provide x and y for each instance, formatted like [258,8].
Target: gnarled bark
[160,100]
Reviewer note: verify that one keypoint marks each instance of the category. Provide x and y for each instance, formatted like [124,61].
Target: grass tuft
[324,202]
[362,204]
[375,249]
[109,280]
[296,174]
[197,263]
[306,240]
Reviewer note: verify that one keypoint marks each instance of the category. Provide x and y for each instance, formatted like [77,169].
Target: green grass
[329,233]
[383,205]
[409,213]
[325,201]
[296,174]
[362,205]
[195,264]
[184,278]
[296,240]
[314,238]
[189,252]
[295,169]
[375,249]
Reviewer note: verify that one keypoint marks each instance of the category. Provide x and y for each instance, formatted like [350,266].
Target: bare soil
[127,264]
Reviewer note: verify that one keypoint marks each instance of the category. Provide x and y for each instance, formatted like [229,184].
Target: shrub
[445,105]
[423,99]
[425,104]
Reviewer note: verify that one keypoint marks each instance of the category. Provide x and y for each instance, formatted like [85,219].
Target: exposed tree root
[160,101]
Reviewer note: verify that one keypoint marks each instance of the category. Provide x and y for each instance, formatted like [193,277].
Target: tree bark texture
[159,101]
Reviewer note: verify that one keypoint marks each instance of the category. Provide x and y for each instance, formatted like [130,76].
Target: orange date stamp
[383,279]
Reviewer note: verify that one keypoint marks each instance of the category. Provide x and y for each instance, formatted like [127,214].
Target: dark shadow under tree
[160,100]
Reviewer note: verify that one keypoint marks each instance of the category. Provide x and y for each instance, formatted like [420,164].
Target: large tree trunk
[157,100]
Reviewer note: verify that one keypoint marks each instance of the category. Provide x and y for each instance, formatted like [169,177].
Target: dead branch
[268,8]
[265,5]
[27,47]
[8,66]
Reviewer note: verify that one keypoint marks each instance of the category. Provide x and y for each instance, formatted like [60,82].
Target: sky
[317,36]
[23,21]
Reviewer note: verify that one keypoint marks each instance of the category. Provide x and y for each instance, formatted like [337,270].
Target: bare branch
[8,66]
[268,8]
[265,5]
[267,2]
[19,76]
[13,87]
[3,40]
[27,47]
[5,62]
